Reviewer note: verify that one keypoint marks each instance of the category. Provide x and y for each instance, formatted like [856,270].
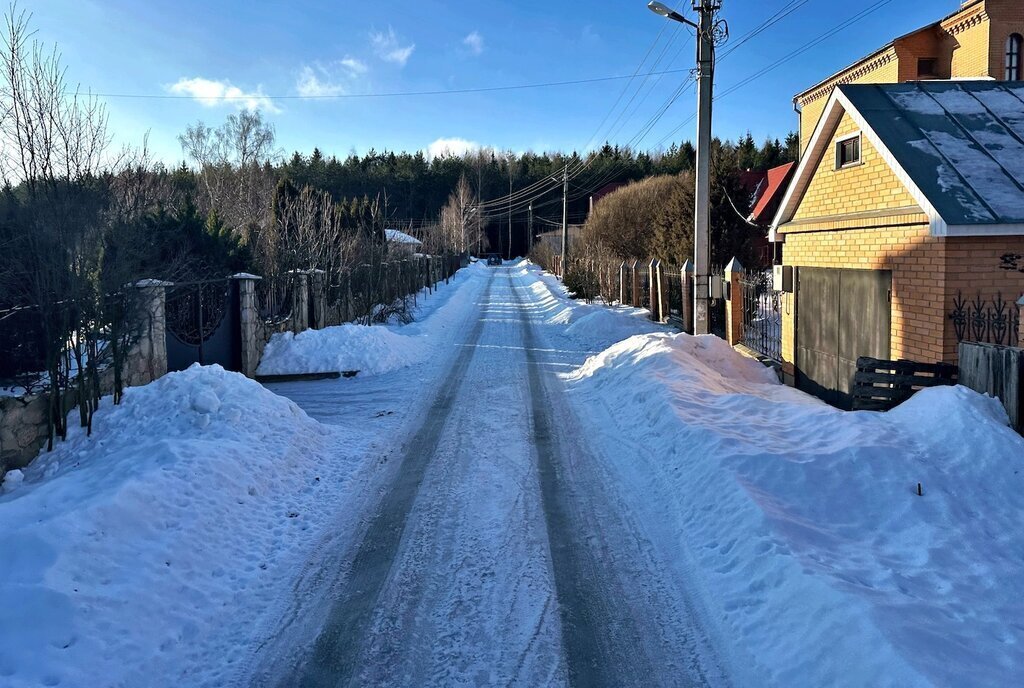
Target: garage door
[841,315]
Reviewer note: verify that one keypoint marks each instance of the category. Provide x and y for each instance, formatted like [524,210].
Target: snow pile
[604,326]
[126,552]
[377,349]
[370,349]
[811,551]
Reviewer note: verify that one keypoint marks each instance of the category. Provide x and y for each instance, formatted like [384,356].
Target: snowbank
[121,550]
[370,349]
[813,554]
[376,349]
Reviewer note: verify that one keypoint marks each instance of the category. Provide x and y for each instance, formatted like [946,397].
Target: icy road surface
[491,549]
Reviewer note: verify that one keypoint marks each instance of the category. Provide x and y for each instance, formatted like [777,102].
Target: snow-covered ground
[527,490]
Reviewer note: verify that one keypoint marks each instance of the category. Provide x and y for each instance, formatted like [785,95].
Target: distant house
[981,40]
[401,241]
[904,224]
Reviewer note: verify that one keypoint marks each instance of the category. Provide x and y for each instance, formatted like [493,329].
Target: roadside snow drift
[374,349]
[810,548]
[123,553]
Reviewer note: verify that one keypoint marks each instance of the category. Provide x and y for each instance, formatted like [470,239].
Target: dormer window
[1013,48]
[848,151]
[927,67]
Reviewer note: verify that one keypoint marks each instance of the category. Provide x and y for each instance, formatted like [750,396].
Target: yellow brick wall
[970,44]
[974,267]
[969,31]
[866,187]
[1005,17]
[918,282]
[811,110]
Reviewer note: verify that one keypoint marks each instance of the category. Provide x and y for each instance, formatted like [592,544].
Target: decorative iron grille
[990,321]
[274,298]
[195,310]
[762,317]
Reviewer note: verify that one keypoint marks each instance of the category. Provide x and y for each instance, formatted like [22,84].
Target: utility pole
[529,228]
[705,26]
[510,209]
[702,195]
[565,218]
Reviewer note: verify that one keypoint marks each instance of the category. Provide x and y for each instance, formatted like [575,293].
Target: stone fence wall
[24,426]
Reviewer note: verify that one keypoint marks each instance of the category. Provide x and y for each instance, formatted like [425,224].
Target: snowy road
[496,553]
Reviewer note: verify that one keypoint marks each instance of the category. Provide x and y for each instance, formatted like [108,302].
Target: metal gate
[841,315]
[202,325]
[762,317]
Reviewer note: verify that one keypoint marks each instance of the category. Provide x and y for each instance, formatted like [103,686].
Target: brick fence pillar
[248,324]
[687,280]
[734,303]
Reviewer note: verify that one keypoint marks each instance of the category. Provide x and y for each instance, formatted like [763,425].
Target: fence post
[687,280]
[654,290]
[300,302]
[1020,321]
[248,324]
[635,279]
[623,268]
[734,302]
[318,298]
[150,350]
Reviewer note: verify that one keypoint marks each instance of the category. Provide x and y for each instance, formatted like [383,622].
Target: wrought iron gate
[762,317]
[202,325]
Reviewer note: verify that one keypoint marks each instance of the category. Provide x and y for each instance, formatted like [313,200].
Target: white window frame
[860,151]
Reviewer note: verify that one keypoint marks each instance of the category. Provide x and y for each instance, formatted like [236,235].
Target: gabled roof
[768,201]
[958,147]
[398,237]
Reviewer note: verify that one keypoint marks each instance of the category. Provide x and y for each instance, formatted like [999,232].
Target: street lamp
[669,13]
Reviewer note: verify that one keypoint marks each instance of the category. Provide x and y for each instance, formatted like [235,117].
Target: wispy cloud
[212,93]
[388,47]
[451,147]
[475,42]
[331,79]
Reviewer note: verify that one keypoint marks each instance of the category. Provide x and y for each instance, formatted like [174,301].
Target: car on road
[494,259]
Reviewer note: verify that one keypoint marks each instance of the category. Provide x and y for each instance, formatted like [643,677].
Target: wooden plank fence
[995,370]
[880,385]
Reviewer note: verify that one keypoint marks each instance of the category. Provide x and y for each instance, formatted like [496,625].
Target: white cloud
[211,93]
[475,42]
[332,79]
[454,146]
[387,47]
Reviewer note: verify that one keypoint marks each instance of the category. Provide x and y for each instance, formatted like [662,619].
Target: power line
[390,94]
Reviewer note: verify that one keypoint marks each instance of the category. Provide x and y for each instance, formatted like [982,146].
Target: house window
[926,66]
[1013,48]
[848,151]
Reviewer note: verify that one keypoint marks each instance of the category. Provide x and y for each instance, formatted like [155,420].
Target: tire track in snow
[620,624]
[335,655]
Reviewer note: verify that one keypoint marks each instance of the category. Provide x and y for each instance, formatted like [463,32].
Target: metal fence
[985,320]
[761,316]
[201,324]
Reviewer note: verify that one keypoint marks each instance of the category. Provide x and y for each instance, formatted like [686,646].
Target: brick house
[904,224]
[977,41]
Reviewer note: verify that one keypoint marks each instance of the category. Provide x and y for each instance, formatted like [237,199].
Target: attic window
[1013,49]
[848,151]
[926,66]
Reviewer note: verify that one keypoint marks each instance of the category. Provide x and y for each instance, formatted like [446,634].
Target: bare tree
[231,160]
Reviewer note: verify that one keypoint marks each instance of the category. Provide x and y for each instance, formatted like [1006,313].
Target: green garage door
[841,315]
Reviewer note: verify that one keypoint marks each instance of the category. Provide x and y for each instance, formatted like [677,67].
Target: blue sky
[198,49]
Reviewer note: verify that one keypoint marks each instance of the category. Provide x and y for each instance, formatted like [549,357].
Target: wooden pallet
[879,385]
